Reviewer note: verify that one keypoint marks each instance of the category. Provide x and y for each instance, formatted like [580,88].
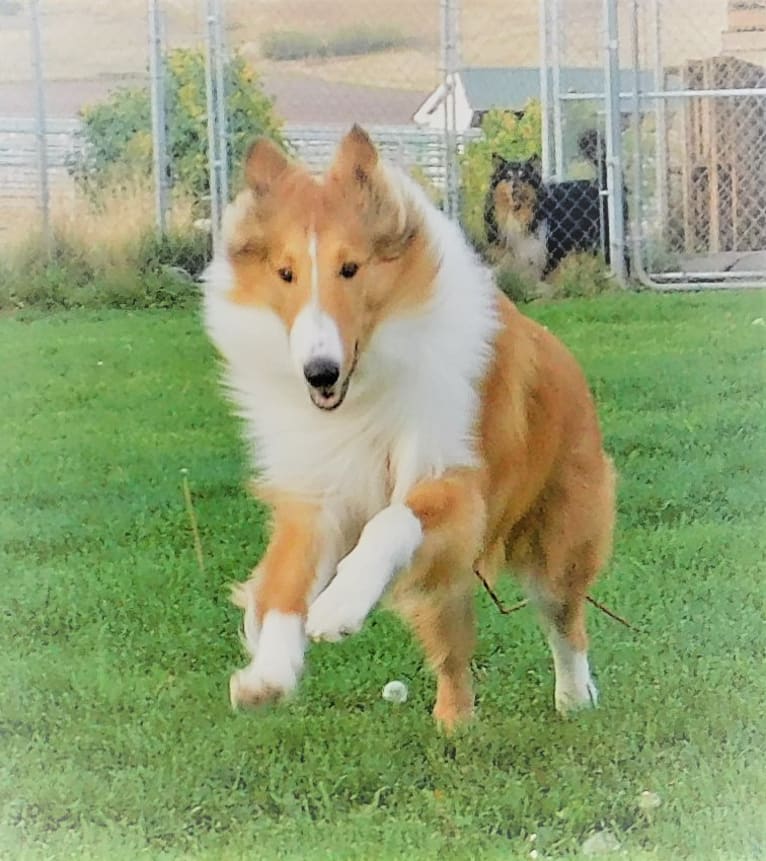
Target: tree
[116,139]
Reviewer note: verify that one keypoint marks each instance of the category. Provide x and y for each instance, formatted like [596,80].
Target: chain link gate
[653,130]
[699,214]
[677,105]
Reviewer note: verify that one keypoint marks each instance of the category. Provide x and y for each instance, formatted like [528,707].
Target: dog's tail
[593,148]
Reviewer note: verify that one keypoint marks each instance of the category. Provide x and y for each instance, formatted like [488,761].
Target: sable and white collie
[409,427]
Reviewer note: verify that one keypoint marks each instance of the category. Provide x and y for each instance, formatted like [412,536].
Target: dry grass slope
[494,32]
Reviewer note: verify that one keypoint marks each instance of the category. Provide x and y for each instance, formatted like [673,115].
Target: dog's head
[516,187]
[528,172]
[331,257]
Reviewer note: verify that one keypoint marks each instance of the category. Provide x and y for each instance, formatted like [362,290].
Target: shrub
[582,275]
[116,133]
[364,40]
[515,138]
[515,286]
[348,41]
[105,253]
[63,282]
[292,45]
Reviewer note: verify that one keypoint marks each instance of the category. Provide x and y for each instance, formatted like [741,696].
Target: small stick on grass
[612,614]
[506,611]
[192,520]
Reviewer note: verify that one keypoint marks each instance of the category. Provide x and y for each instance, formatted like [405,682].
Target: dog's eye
[348,270]
[285,273]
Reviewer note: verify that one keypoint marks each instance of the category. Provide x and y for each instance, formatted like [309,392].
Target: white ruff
[413,399]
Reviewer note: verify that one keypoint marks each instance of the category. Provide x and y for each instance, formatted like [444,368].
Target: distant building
[480,89]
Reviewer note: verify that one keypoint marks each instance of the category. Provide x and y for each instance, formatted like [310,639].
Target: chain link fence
[699,128]
[630,129]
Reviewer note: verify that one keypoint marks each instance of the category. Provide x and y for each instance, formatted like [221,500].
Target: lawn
[115,648]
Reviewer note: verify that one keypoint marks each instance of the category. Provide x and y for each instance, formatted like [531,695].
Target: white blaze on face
[314,334]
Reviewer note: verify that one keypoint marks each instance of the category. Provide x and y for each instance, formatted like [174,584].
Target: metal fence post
[636,228]
[558,121]
[615,200]
[40,123]
[545,107]
[221,58]
[216,117]
[661,135]
[159,118]
[450,65]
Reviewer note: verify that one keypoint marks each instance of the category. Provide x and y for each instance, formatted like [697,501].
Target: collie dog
[409,427]
[539,224]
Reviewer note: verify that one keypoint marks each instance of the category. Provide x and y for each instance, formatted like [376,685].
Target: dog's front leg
[435,515]
[386,546]
[300,559]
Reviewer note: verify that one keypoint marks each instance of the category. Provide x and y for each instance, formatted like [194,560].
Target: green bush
[348,41]
[185,250]
[149,271]
[515,286]
[364,40]
[582,275]
[292,45]
[116,133]
[515,138]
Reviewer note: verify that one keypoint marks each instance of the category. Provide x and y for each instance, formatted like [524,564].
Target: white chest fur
[412,403]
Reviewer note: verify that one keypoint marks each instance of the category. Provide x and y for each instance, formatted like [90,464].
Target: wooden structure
[745,36]
[722,156]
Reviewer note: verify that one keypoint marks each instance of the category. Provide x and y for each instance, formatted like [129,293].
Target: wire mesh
[700,133]
[509,114]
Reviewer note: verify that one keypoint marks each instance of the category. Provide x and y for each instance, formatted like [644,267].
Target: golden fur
[541,499]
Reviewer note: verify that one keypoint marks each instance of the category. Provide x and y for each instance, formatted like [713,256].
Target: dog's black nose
[321,373]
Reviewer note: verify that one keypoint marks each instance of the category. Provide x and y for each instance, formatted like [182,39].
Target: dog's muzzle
[323,375]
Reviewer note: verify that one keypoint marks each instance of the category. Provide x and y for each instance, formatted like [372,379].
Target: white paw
[575,694]
[575,688]
[276,669]
[340,610]
[263,682]
[344,605]
[386,545]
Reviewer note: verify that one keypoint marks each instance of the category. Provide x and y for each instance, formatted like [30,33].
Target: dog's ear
[390,217]
[356,158]
[534,169]
[264,164]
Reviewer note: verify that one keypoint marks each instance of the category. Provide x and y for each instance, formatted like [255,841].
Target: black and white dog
[540,223]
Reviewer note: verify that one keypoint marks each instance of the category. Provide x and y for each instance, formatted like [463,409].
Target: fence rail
[673,187]
[407,145]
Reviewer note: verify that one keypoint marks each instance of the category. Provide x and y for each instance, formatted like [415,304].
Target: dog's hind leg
[557,584]
[562,617]
[564,549]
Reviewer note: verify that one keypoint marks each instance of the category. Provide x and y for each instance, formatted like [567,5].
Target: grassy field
[115,649]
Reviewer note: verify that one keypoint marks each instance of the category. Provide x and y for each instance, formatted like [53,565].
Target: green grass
[115,650]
